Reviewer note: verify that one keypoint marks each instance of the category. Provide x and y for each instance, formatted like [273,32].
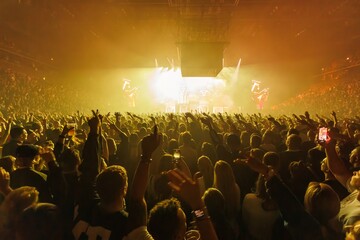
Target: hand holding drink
[71,127]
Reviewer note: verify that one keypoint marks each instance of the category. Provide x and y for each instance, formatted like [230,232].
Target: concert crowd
[170,176]
[121,175]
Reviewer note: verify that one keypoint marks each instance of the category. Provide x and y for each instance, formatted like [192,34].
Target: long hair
[322,202]
[207,170]
[224,181]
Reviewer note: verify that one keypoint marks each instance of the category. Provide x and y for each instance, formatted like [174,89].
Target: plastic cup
[72,131]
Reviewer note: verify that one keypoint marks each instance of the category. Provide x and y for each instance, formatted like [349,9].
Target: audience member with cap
[27,156]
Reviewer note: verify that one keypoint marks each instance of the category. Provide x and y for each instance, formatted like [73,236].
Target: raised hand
[185,187]
[95,122]
[206,120]
[333,113]
[4,181]
[8,124]
[150,142]
[254,164]
[66,130]
[152,118]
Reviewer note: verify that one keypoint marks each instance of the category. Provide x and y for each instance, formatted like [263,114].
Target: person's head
[112,184]
[12,207]
[27,155]
[166,163]
[245,139]
[18,133]
[16,201]
[204,164]
[161,187]
[257,153]
[214,202]
[355,157]
[293,131]
[182,127]
[255,141]
[208,149]
[206,169]
[173,144]
[311,135]
[142,132]
[315,156]
[69,160]
[167,221]
[272,159]
[8,163]
[293,142]
[322,202]
[233,141]
[40,221]
[298,170]
[223,175]
[267,137]
[186,138]
[355,180]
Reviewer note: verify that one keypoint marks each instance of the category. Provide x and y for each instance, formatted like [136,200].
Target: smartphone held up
[176,157]
[323,135]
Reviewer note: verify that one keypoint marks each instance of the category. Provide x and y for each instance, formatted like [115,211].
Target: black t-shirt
[29,177]
[288,157]
[10,148]
[99,225]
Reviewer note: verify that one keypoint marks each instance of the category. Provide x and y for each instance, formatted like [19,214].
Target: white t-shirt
[350,206]
[258,221]
[140,233]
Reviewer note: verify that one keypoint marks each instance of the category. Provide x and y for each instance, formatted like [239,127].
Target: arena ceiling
[133,33]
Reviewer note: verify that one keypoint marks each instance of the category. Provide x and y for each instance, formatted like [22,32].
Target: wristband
[145,159]
[200,214]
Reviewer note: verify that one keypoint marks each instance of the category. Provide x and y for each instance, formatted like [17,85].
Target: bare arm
[4,182]
[335,164]
[137,209]
[6,135]
[190,192]
[213,134]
